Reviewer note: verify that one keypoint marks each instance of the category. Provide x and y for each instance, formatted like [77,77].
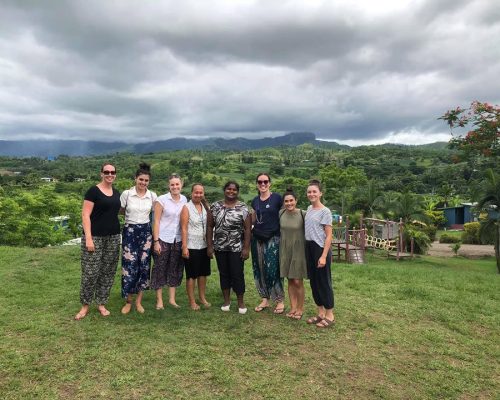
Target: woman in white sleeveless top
[194,245]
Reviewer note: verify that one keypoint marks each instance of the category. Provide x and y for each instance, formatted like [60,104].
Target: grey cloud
[91,68]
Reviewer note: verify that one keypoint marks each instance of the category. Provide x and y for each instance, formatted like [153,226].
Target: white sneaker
[226,308]
[242,310]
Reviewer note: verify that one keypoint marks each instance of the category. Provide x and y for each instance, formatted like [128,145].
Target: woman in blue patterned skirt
[137,204]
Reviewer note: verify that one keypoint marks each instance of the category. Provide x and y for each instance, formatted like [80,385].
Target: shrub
[455,247]
[430,231]
[421,241]
[447,238]
[470,234]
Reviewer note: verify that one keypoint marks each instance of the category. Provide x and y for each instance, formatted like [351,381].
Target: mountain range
[54,148]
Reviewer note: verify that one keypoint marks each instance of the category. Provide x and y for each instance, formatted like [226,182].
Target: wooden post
[347,223]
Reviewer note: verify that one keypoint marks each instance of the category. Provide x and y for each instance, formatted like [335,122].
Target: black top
[104,217]
[267,214]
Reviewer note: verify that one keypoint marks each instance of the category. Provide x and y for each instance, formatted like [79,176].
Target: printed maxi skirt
[168,266]
[136,258]
[266,269]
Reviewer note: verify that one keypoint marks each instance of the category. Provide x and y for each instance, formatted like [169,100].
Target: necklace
[258,211]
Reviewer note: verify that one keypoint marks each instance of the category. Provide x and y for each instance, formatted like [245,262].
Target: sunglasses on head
[265,182]
[109,172]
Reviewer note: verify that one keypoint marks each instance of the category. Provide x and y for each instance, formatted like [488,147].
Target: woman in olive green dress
[292,253]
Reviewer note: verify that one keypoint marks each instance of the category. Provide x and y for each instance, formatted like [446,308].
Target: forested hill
[54,148]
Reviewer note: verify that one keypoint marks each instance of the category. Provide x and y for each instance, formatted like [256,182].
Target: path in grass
[427,328]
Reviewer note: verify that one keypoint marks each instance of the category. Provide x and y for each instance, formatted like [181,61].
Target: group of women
[285,242]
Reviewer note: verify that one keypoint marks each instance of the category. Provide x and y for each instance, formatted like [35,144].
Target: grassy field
[428,328]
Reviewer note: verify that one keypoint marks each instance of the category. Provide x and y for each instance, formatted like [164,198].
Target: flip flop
[260,308]
[279,310]
[325,323]
[314,320]
[296,316]
[206,305]
[290,314]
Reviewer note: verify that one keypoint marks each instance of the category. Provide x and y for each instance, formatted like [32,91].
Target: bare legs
[190,283]
[159,299]
[296,293]
[202,289]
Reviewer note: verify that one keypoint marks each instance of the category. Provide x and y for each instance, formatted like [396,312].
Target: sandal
[280,310]
[290,314]
[297,316]
[260,308]
[325,323]
[314,320]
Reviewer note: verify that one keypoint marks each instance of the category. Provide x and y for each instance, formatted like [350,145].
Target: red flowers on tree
[484,136]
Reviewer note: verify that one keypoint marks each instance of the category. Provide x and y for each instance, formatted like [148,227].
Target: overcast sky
[356,72]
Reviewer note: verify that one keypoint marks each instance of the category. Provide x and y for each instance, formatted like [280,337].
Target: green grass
[426,328]
[454,233]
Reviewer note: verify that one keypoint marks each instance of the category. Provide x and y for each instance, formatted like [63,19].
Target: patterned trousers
[266,269]
[136,257]
[99,269]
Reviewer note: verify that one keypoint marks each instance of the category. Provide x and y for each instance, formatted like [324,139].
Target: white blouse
[197,227]
[170,227]
[137,209]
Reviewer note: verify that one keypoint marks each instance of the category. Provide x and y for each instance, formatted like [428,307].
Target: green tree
[491,201]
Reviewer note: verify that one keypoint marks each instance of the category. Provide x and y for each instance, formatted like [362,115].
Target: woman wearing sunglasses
[265,245]
[100,242]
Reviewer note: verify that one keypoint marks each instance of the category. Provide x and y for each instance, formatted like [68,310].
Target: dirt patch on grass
[466,250]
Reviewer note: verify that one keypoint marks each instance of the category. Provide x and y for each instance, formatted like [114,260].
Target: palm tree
[491,200]
[408,207]
[369,198]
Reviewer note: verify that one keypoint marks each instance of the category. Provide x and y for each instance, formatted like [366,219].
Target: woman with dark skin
[100,242]
[228,236]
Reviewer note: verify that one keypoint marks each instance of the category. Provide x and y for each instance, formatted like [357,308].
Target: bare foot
[126,308]
[103,310]
[82,313]
[139,308]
